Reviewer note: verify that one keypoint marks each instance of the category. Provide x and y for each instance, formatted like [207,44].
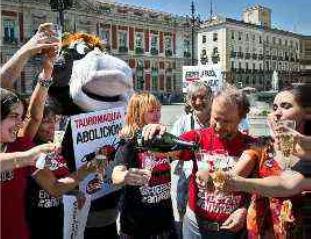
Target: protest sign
[92,132]
[75,217]
[210,74]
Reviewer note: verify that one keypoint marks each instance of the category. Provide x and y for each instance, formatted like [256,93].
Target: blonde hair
[139,104]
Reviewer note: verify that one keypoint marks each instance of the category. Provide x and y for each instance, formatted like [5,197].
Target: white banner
[211,74]
[74,217]
[96,131]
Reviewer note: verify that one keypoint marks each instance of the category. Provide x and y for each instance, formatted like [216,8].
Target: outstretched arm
[10,161]
[285,185]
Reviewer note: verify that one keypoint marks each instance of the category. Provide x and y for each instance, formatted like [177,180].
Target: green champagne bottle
[165,143]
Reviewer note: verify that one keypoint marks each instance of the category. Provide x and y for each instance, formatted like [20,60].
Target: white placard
[211,74]
[93,131]
[74,217]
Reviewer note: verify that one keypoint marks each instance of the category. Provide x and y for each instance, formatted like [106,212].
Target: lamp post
[60,6]
[194,22]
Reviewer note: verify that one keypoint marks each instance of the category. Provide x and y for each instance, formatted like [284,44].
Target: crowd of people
[260,192]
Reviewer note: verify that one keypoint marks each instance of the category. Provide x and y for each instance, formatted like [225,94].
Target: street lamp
[60,6]
[195,21]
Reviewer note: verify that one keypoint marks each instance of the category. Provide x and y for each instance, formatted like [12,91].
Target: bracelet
[46,83]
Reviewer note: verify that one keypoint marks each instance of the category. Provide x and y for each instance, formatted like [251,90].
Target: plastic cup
[58,137]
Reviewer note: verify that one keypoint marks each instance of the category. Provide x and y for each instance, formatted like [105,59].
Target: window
[215,36]
[240,36]
[267,39]
[273,40]
[168,46]
[232,65]
[154,44]
[139,36]
[246,37]
[260,39]
[123,41]
[254,66]
[9,31]
[246,65]
[232,35]
[104,34]
[203,39]
[254,37]
[187,52]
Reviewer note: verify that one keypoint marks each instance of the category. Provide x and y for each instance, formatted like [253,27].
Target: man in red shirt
[212,214]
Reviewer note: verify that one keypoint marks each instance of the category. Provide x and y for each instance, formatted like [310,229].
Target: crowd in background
[263,193]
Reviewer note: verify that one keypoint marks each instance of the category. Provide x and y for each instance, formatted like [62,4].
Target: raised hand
[151,130]
[43,41]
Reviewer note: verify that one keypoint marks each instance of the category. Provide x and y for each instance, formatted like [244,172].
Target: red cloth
[264,214]
[213,207]
[13,198]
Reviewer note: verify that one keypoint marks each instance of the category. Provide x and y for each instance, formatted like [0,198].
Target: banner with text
[210,74]
[75,216]
[92,132]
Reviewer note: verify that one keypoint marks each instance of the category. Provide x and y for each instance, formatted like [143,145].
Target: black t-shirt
[45,212]
[145,210]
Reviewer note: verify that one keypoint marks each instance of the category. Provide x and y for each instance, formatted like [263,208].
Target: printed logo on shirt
[218,202]
[46,200]
[155,194]
[7,176]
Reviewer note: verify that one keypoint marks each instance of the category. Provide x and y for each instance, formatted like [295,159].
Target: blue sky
[290,15]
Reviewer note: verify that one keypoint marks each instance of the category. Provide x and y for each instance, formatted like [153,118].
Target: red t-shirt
[13,198]
[209,205]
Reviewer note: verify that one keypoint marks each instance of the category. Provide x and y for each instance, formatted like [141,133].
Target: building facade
[249,51]
[155,44]
[305,58]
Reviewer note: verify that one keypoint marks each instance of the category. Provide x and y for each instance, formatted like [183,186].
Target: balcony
[267,57]
[203,59]
[168,53]
[123,49]
[233,54]
[187,54]
[154,51]
[215,58]
[240,55]
[10,40]
[139,50]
